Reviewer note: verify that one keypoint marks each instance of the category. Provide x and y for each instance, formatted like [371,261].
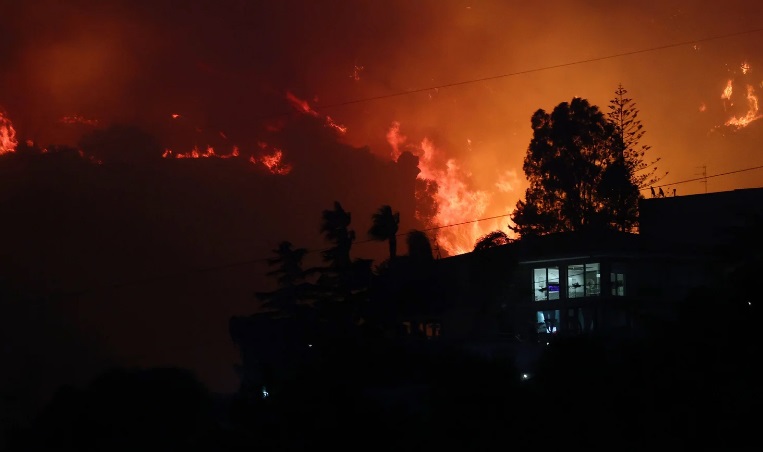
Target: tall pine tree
[623,114]
[579,175]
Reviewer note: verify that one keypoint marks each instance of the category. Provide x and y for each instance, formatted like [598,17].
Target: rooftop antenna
[704,175]
[437,254]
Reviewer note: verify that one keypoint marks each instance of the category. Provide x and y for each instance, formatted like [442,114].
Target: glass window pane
[617,280]
[621,284]
[540,284]
[592,280]
[575,281]
[548,321]
[553,283]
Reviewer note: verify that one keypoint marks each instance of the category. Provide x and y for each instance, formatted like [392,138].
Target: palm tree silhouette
[384,227]
[290,277]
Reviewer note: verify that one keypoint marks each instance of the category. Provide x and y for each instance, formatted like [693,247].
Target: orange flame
[304,107]
[752,112]
[728,91]
[395,140]
[300,105]
[273,161]
[740,119]
[195,153]
[457,203]
[8,140]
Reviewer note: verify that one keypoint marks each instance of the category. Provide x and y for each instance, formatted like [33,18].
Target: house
[604,282]
[510,300]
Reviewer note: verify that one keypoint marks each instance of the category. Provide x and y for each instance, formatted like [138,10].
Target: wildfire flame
[395,140]
[8,140]
[740,120]
[752,112]
[195,153]
[304,107]
[273,161]
[456,202]
[728,91]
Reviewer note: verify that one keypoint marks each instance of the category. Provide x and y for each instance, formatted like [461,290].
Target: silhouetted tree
[628,132]
[491,240]
[384,227]
[125,410]
[342,275]
[578,179]
[292,288]
[419,246]
[335,226]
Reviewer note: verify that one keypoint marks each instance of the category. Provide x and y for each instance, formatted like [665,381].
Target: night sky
[285,76]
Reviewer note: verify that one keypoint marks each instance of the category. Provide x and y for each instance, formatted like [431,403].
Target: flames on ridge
[196,153]
[8,140]
[304,107]
[747,109]
[456,202]
[78,119]
[443,184]
[9,143]
[447,201]
[273,160]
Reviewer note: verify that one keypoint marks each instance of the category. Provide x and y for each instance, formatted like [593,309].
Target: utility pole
[704,175]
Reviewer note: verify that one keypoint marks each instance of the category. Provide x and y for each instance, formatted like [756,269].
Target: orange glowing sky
[222,66]
[216,77]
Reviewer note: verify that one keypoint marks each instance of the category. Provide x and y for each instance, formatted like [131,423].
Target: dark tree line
[338,290]
[585,169]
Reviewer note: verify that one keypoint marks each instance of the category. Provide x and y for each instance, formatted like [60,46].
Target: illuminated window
[583,280]
[546,283]
[618,284]
[547,321]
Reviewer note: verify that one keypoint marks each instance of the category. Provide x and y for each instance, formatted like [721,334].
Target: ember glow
[196,153]
[185,71]
[304,107]
[8,140]
[356,72]
[273,160]
[78,119]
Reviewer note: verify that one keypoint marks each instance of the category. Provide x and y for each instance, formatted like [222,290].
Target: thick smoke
[225,67]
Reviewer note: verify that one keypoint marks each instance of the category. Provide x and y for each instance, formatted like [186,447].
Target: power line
[705,177]
[510,74]
[246,262]
[419,90]
[538,69]
[243,263]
